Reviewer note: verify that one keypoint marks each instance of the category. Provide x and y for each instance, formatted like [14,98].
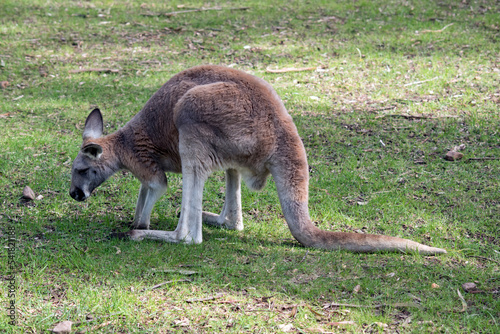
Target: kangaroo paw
[216,220]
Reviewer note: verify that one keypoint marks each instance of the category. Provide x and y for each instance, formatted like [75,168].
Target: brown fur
[211,118]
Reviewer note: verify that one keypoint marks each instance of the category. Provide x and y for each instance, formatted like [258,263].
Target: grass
[371,169]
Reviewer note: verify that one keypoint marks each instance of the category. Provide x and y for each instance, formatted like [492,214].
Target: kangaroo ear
[93,125]
[92,150]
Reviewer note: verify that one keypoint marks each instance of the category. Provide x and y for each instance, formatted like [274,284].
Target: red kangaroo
[204,119]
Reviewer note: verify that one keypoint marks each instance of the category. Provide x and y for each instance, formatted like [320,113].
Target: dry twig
[407,116]
[290,69]
[307,252]
[420,82]
[440,30]
[104,70]
[395,305]
[195,10]
[340,323]
[77,323]
[168,282]
[483,159]
[314,312]
[485,258]
[194,300]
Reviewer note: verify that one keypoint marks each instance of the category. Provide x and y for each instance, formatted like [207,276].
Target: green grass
[371,169]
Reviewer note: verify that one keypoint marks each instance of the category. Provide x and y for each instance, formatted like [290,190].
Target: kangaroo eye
[83,171]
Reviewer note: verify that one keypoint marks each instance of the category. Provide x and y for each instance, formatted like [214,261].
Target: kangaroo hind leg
[231,216]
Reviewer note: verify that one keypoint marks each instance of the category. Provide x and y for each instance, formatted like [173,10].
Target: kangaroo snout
[78,194]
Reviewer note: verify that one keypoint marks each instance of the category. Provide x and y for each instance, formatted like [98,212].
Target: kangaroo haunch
[204,119]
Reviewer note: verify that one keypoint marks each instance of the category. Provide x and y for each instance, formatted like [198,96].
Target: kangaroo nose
[77,194]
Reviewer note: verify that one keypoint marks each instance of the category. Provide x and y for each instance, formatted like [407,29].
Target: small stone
[434,286]
[469,286]
[28,193]
[453,156]
[63,327]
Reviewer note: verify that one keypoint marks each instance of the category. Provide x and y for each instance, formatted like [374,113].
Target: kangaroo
[204,119]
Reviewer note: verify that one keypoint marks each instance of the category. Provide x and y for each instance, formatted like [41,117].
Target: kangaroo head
[92,165]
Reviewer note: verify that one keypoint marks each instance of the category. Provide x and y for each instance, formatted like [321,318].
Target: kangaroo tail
[297,217]
[290,173]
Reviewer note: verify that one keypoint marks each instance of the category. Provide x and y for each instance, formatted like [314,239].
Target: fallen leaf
[314,330]
[407,321]
[118,250]
[63,327]
[341,311]
[381,324]
[266,299]
[332,18]
[415,298]
[43,71]
[104,324]
[285,328]
[356,289]
[181,323]
[4,84]
[462,299]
